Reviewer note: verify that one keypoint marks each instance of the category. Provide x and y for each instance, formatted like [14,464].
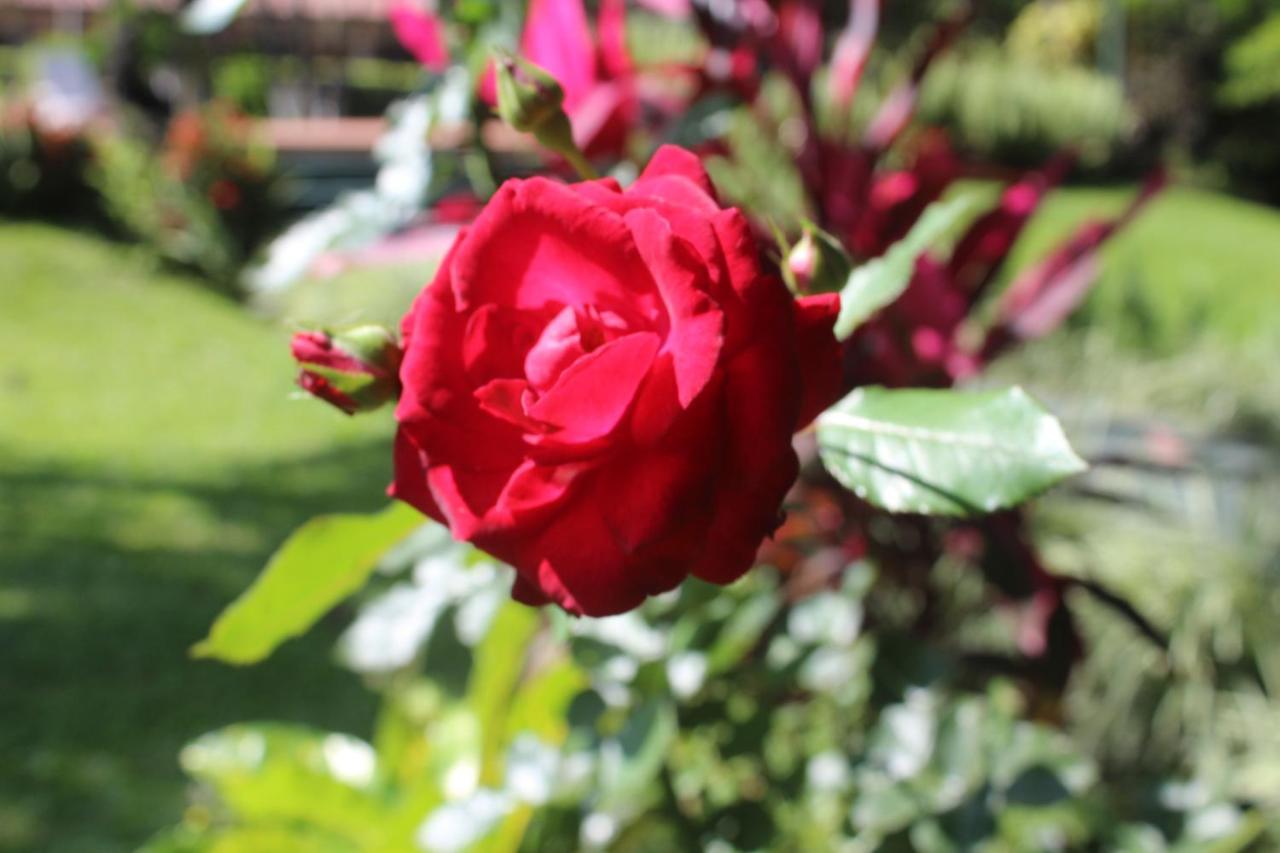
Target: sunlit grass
[151,457]
[1193,262]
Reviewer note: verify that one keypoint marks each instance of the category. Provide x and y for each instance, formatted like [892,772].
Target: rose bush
[600,387]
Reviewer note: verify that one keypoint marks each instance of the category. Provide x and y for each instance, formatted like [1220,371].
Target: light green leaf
[880,281]
[499,661]
[321,563]
[944,452]
[540,705]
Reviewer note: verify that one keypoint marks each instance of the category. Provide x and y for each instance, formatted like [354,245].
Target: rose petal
[495,342]
[669,166]
[419,32]
[527,592]
[436,405]
[670,484]
[592,395]
[819,353]
[750,299]
[762,398]
[603,118]
[480,503]
[611,22]
[410,483]
[540,243]
[696,324]
[581,567]
[505,399]
[559,346]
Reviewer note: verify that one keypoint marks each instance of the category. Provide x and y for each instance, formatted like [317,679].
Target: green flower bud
[531,101]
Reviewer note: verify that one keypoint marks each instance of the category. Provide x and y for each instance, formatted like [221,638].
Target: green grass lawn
[1184,323]
[151,457]
[1193,262]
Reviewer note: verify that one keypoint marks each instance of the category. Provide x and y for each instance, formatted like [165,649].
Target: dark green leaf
[944,452]
[321,563]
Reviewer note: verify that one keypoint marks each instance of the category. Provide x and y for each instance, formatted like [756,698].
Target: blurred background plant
[890,683]
[206,198]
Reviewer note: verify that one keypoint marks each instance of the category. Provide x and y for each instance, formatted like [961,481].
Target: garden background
[154,453]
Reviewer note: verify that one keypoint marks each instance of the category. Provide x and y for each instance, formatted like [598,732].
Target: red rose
[600,387]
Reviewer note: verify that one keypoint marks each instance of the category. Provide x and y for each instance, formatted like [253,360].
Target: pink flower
[419,32]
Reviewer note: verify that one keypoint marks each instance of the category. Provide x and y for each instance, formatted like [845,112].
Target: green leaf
[499,661]
[742,632]
[321,563]
[638,754]
[880,281]
[884,808]
[541,704]
[944,452]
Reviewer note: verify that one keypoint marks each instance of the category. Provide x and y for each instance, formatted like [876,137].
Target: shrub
[205,199]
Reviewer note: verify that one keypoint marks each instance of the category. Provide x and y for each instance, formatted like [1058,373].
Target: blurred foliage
[367,86]
[209,202]
[43,171]
[1016,110]
[1253,66]
[793,709]
[774,714]
[1060,33]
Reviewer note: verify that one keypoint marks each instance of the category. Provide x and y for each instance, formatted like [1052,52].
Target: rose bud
[531,101]
[529,98]
[600,387]
[817,263]
[355,370]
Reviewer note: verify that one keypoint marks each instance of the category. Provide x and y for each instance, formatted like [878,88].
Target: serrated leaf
[944,452]
[321,563]
[880,281]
